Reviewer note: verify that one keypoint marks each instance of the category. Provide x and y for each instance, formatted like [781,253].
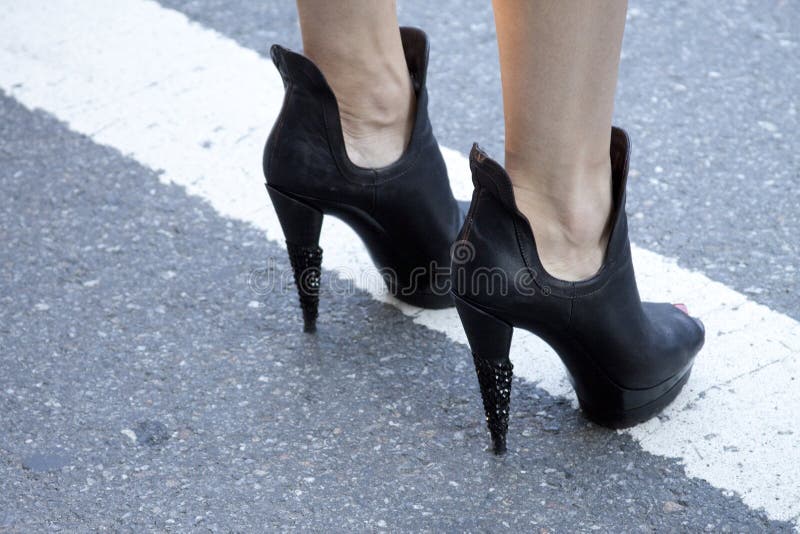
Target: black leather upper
[637,345]
[405,212]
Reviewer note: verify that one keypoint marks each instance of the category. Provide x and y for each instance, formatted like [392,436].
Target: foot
[571,226]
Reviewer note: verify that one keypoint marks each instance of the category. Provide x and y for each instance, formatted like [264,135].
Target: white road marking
[178,97]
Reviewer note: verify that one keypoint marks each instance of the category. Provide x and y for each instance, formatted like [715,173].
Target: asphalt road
[146,387]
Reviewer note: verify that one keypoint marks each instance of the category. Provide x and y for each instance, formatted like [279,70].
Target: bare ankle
[376,103]
[377,126]
[570,219]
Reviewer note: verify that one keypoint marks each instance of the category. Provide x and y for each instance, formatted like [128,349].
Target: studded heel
[301,225]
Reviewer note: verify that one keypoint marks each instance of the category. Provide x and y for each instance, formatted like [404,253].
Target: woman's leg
[356,44]
[559,62]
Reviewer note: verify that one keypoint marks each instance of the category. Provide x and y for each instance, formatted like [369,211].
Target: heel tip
[500,448]
[310,327]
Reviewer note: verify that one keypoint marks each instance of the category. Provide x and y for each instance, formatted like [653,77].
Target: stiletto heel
[301,226]
[626,359]
[490,341]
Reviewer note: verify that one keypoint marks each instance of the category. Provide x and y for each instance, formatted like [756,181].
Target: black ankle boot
[405,212]
[626,359]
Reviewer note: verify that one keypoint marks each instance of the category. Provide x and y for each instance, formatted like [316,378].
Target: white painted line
[157,87]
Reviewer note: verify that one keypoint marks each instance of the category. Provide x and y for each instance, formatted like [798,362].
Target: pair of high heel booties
[625,358]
